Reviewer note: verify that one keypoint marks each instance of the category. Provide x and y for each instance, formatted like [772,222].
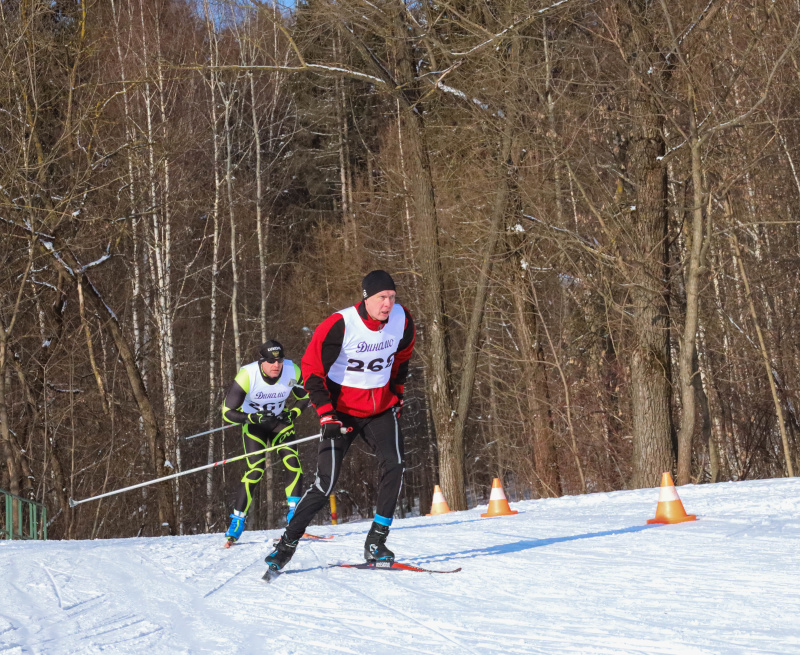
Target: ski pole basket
[23,518]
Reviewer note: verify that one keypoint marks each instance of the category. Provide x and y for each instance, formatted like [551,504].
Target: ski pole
[73,503]
[200,434]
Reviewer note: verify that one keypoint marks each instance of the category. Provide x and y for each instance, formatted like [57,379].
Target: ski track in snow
[578,574]
[392,610]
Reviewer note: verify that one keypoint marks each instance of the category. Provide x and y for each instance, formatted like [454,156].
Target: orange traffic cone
[498,505]
[670,508]
[439,505]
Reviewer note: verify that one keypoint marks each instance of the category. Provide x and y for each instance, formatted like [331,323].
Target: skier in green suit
[257,401]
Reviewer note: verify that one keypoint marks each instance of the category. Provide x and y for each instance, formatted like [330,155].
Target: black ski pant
[382,434]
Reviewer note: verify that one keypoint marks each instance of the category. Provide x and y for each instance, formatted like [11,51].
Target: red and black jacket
[326,344]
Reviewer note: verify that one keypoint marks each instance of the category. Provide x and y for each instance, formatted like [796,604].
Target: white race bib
[268,397]
[365,360]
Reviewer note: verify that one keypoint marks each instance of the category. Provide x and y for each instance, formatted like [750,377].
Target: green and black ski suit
[252,392]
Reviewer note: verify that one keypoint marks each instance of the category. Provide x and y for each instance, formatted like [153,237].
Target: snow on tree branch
[511,28]
[315,68]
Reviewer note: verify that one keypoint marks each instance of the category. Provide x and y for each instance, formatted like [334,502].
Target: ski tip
[270,574]
[308,537]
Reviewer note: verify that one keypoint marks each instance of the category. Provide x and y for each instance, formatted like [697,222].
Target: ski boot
[236,529]
[279,557]
[375,549]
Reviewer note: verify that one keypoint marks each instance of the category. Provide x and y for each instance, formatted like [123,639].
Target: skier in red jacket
[354,371]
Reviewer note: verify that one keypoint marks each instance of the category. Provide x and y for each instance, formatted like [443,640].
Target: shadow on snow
[526,544]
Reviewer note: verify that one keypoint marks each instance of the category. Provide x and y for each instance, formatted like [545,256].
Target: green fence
[23,519]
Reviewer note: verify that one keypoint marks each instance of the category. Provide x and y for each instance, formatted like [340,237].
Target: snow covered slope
[581,574]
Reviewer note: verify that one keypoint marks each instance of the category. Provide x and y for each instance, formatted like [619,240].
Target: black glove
[330,427]
[398,408]
[289,415]
[397,390]
[263,418]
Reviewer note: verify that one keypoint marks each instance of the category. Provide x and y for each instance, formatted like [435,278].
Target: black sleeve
[320,355]
[234,400]
[300,396]
[404,350]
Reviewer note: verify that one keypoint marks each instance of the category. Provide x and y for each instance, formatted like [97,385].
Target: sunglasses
[272,360]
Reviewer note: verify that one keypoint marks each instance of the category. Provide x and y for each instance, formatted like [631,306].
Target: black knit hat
[375,282]
[271,351]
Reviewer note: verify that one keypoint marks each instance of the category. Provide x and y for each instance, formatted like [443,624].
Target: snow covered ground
[580,574]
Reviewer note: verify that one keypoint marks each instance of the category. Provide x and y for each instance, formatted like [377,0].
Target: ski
[312,537]
[271,574]
[309,537]
[394,566]
[306,537]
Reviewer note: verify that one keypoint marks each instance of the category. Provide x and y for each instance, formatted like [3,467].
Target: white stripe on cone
[497,494]
[667,494]
[438,497]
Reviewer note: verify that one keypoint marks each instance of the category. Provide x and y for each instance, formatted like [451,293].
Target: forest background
[587,205]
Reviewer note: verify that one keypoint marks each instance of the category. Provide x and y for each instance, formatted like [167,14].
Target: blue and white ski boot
[236,529]
[292,502]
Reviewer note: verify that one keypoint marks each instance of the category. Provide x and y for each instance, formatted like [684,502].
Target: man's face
[272,369]
[380,305]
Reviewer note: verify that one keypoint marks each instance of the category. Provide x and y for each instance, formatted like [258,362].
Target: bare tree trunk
[701,400]
[650,383]
[428,464]
[237,344]
[471,346]
[697,247]
[551,120]
[90,348]
[262,226]
[11,453]
[716,432]
[537,392]
[730,437]
[160,254]
[345,181]
[213,409]
[136,286]
[767,360]
[567,395]
[166,300]
[451,448]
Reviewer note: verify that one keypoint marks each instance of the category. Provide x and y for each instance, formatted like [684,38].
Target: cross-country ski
[310,537]
[394,566]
